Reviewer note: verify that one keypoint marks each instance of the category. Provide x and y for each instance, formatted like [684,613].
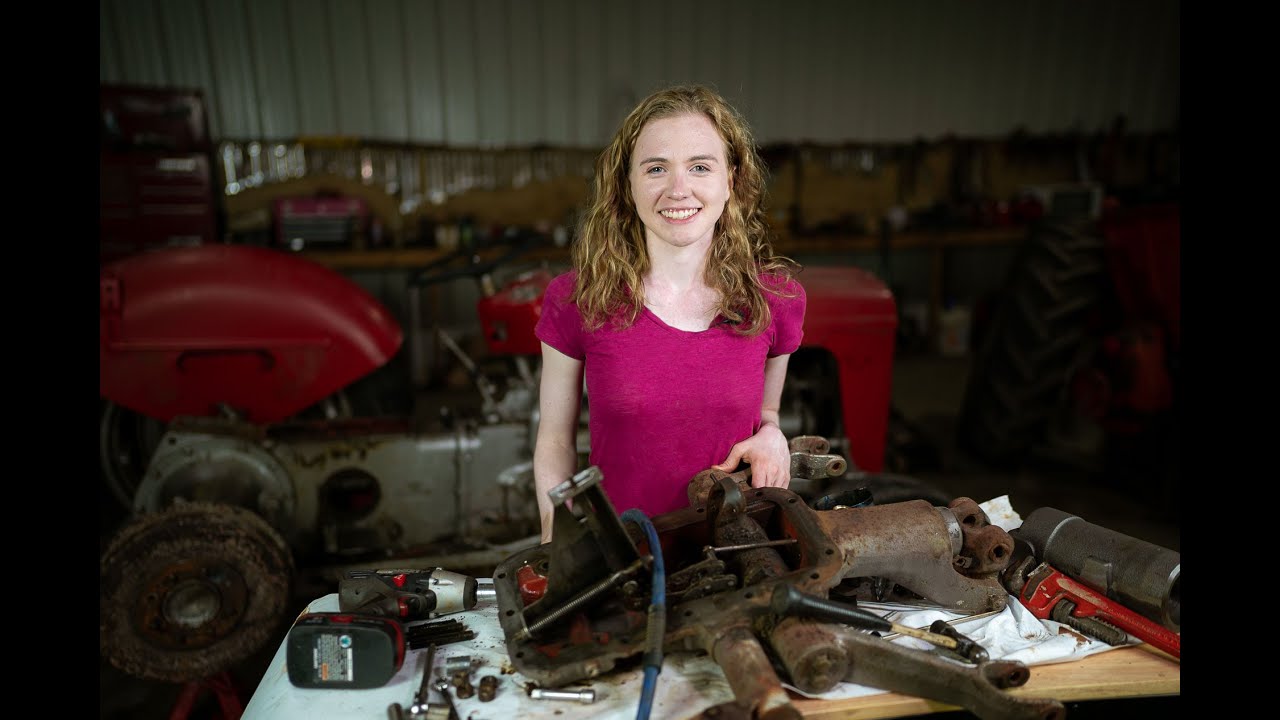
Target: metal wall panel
[110,66]
[136,41]
[231,57]
[589,33]
[423,61]
[388,82]
[188,64]
[524,66]
[457,36]
[619,68]
[559,58]
[277,106]
[353,68]
[493,73]
[313,76]
[471,73]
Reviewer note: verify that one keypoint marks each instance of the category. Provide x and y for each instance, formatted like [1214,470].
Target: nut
[488,688]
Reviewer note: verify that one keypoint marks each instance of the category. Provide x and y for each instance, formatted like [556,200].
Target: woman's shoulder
[781,285]
[561,286]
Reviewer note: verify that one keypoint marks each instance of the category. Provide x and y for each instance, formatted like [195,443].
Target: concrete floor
[927,392]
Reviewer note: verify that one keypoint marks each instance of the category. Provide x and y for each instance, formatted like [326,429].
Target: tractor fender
[263,333]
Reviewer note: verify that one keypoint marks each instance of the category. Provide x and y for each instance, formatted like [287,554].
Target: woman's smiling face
[680,179]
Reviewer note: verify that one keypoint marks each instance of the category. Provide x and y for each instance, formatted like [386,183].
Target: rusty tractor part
[987,547]
[811,459]
[1143,577]
[191,591]
[720,602]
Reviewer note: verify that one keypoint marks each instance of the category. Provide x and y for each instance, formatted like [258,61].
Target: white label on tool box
[332,658]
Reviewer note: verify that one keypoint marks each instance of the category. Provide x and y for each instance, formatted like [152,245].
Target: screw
[585,697]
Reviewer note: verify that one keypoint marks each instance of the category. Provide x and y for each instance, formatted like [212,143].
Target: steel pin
[585,697]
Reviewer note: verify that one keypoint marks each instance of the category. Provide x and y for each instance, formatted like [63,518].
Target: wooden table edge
[1137,671]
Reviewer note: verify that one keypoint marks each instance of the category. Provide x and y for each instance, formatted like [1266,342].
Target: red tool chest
[156,181]
[319,222]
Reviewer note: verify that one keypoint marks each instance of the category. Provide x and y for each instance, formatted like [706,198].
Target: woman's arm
[766,451]
[555,452]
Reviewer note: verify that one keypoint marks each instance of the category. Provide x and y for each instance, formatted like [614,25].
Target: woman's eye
[701,168]
[654,170]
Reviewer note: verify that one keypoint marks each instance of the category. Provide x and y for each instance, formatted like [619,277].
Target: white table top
[686,684]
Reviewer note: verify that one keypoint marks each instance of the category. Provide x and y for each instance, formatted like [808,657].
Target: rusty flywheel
[191,591]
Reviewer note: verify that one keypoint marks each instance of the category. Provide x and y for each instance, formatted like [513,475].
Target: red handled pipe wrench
[1049,594]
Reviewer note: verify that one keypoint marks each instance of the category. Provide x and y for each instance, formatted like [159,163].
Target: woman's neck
[677,268]
[676,291]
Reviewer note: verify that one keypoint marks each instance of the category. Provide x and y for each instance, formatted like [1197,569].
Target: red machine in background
[851,320]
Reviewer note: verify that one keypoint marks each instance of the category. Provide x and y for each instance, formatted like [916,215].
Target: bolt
[585,697]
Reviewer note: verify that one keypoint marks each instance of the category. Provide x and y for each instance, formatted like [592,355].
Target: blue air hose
[657,614]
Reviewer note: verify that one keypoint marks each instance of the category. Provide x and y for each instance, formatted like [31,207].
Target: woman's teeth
[678,214]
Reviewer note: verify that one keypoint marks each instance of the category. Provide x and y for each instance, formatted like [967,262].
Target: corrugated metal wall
[495,73]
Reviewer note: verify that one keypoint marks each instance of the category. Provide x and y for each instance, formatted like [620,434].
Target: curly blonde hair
[609,251]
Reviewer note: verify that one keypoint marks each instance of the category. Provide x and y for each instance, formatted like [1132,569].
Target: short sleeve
[560,324]
[788,318]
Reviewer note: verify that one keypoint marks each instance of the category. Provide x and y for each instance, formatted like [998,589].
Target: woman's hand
[768,455]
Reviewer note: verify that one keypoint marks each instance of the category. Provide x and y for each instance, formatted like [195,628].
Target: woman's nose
[679,187]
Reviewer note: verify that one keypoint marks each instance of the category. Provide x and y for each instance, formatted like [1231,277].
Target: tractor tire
[1038,334]
[126,440]
[192,591]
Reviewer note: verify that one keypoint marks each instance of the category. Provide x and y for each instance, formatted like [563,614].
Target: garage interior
[1007,171]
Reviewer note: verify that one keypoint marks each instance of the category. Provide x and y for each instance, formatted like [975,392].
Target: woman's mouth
[678,214]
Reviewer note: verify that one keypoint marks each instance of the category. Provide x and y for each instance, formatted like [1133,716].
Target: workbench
[687,685]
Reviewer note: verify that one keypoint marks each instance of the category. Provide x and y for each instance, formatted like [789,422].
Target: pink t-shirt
[666,404]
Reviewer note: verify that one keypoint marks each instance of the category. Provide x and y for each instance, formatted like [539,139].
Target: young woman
[677,311]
